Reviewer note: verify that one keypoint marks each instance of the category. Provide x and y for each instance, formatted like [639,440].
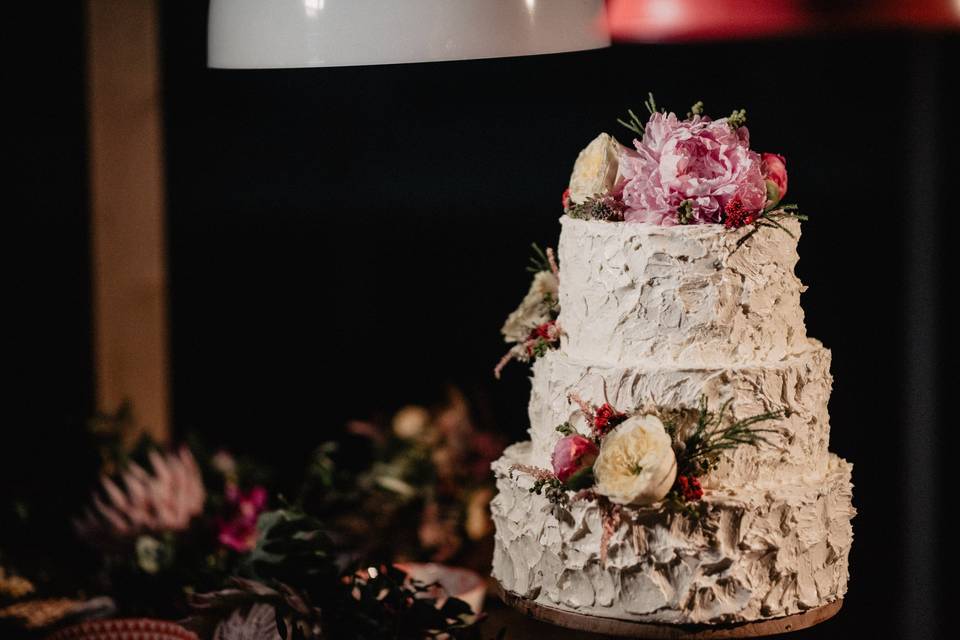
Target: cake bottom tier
[751,555]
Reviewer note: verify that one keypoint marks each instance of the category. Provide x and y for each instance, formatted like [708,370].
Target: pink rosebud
[774,168]
[572,454]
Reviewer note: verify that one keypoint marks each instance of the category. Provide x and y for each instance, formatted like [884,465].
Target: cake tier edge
[800,385]
[687,294]
[753,554]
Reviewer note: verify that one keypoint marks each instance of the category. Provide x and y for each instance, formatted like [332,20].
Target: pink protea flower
[239,531]
[572,454]
[165,500]
[698,163]
[774,169]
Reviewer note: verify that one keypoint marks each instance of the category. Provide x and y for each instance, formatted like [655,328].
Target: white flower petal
[595,171]
[636,465]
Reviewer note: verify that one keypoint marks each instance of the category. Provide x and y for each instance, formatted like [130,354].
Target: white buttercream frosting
[800,384]
[634,293]
[660,317]
[753,554]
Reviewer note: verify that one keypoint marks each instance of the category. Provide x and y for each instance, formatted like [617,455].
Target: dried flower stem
[504,361]
[770,218]
[537,473]
[611,516]
[552,261]
[585,407]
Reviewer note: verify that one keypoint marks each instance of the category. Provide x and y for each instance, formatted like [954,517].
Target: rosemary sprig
[650,103]
[713,434]
[634,122]
[538,261]
[770,217]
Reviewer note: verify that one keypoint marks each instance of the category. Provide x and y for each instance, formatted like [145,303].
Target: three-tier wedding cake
[678,469]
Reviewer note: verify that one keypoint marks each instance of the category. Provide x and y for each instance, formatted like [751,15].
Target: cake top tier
[675,249]
[693,295]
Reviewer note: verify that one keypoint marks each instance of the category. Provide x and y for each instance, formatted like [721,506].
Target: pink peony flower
[571,454]
[774,167]
[700,161]
[239,532]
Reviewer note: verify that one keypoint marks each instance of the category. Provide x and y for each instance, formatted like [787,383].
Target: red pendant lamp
[693,20]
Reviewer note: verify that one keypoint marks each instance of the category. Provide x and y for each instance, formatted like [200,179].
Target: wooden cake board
[650,631]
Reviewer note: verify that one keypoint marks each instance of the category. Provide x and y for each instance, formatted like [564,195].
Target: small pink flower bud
[571,454]
[774,168]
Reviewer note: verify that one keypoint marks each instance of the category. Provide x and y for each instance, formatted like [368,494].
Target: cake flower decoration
[636,465]
[532,328]
[679,171]
[651,457]
[774,168]
[596,169]
[573,458]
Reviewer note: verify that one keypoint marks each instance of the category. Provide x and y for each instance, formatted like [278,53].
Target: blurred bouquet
[415,487]
[163,525]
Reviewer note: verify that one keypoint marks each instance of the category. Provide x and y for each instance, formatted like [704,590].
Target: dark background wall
[342,241]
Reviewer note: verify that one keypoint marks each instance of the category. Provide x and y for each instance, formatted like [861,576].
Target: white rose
[636,465]
[595,170]
[535,308]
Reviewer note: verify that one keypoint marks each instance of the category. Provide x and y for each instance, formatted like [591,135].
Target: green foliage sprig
[713,433]
[566,429]
[634,122]
[539,260]
[771,217]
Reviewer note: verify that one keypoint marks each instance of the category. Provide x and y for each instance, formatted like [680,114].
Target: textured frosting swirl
[754,553]
[632,293]
[800,384]
[662,316]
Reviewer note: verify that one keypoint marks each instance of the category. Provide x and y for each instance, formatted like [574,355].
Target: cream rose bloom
[595,170]
[636,465]
[534,310]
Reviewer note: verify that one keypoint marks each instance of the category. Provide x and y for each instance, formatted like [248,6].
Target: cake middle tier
[799,385]
[686,294]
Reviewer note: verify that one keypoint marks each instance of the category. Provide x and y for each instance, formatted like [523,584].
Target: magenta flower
[698,163]
[572,454]
[239,531]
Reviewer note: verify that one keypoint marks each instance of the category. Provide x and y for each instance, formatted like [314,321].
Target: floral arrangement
[532,328]
[694,170]
[416,486]
[176,533]
[654,458]
[296,584]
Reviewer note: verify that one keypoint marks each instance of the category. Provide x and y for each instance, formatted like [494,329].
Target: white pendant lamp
[267,34]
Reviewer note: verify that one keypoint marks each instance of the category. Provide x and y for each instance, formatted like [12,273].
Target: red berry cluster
[737,215]
[544,331]
[605,418]
[540,336]
[566,198]
[690,488]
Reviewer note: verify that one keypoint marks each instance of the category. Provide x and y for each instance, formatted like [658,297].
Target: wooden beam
[127,211]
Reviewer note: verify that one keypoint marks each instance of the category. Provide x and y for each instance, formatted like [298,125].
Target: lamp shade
[262,34]
[692,20]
